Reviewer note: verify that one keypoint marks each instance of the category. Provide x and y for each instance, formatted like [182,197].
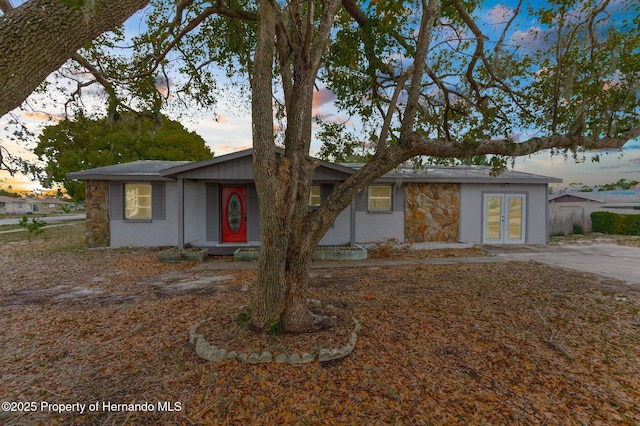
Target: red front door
[234,214]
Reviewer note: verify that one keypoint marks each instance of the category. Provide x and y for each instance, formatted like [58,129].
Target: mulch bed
[504,343]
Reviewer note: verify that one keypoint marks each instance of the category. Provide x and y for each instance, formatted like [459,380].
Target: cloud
[613,167]
[322,96]
[41,116]
[227,149]
[528,37]
[499,14]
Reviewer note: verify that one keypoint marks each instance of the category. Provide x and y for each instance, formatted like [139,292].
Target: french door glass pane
[493,218]
[515,218]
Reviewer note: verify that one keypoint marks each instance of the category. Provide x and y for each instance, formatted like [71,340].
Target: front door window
[234,213]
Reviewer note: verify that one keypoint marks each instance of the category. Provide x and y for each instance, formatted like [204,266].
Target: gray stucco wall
[340,233]
[153,233]
[195,197]
[471,210]
[380,225]
[377,226]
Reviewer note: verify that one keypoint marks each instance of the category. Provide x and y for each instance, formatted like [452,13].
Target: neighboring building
[213,203]
[574,208]
[18,206]
[54,205]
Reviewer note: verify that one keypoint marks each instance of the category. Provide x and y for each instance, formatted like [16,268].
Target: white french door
[504,218]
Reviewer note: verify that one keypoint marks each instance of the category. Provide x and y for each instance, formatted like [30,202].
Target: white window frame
[370,198]
[138,206]
[505,219]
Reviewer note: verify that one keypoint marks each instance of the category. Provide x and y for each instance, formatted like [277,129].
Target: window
[314,196]
[380,197]
[137,201]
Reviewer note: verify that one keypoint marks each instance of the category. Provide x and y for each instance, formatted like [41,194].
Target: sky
[229,130]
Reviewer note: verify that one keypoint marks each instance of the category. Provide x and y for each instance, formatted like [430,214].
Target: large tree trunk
[283,179]
[39,36]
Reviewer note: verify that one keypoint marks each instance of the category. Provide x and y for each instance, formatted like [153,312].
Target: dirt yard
[103,336]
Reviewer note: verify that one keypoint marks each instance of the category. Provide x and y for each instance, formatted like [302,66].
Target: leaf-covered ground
[503,343]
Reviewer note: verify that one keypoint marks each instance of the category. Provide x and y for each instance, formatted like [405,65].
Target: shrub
[577,229]
[35,228]
[602,222]
[613,223]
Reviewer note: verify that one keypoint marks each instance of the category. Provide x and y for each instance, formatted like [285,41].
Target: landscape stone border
[212,353]
[358,252]
[185,255]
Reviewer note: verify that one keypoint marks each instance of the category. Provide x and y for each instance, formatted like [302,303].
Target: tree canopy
[84,143]
[444,79]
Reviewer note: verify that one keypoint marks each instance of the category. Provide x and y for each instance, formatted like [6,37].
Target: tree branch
[99,77]
[419,145]
[429,14]
[5,6]
[3,165]
[31,47]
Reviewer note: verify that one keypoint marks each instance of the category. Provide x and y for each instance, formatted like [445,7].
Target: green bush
[634,224]
[577,229]
[613,223]
[603,222]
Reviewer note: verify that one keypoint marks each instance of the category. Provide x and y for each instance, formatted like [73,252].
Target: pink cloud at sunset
[228,149]
[321,97]
[41,116]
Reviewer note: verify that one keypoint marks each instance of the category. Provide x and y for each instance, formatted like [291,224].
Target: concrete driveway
[607,259]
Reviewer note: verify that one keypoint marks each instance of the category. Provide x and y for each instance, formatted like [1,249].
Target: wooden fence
[563,217]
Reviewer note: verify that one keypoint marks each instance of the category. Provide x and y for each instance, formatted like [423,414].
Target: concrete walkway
[229,264]
[606,259]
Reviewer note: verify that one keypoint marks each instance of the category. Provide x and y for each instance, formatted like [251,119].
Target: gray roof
[142,169]
[616,197]
[459,174]
[168,170]
[6,199]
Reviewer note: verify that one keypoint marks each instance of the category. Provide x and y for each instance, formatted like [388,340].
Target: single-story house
[51,205]
[617,199]
[17,206]
[213,203]
[568,209]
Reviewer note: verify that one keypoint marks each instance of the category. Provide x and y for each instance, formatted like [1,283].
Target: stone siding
[431,212]
[97,208]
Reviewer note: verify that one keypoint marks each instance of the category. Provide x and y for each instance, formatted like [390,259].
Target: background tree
[424,78]
[83,143]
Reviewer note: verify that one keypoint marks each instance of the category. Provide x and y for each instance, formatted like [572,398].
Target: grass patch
[628,240]
[67,238]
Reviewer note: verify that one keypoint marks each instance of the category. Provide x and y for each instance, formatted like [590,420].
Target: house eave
[488,180]
[128,177]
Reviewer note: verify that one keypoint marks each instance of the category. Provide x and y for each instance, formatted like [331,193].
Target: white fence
[563,217]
